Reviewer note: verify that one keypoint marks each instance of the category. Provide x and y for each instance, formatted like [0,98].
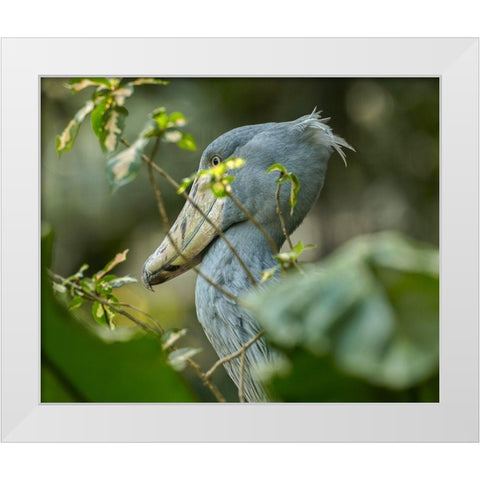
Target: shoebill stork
[303,146]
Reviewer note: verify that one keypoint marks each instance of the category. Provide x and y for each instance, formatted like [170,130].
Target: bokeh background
[391,183]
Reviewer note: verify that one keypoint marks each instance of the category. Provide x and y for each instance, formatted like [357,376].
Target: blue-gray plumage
[303,146]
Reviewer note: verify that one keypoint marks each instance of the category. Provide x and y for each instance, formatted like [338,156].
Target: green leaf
[109,315]
[98,314]
[233,163]
[172,136]
[109,278]
[103,314]
[103,289]
[97,119]
[370,311]
[294,191]
[187,142]
[64,141]
[176,119]
[269,273]
[119,258]
[165,126]
[171,336]
[113,128]
[227,179]
[217,172]
[288,258]
[76,302]
[82,269]
[277,167]
[122,93]
[108,123]
[77,84]
[219,189]
[161,118]
[121,281]
[77,275]
[178,358]
[59,288]
[123,167]
[87,284]
[149,81]
[186,182]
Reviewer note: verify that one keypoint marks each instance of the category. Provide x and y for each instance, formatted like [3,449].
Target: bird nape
[303,147]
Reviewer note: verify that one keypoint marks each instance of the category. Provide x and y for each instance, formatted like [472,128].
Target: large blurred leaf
[54,388]
[123,168]
[79,366]
[131,371]
[369,312]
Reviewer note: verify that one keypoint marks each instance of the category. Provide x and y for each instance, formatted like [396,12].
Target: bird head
[302,146]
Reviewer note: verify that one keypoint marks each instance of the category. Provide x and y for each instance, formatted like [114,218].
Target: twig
[284,228]
[172,182]
[228,358]
[207,381]
[240,205]
[280,216]
[240,383]
[158,193]
[139,310]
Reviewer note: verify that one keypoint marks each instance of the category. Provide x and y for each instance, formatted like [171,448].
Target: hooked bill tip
[146,279]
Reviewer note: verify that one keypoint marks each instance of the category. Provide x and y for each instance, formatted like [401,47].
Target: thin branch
[172,182]
[284,228]
[158,193]
[206,380]
[139,310]
[240,383]
[250,217]
[280,216]
[228,358]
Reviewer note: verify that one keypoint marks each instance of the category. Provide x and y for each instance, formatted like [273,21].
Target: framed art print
[179,264]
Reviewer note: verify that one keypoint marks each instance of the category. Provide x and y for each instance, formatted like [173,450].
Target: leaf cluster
[108,115]
[97,289]
[289,258]
[217,178]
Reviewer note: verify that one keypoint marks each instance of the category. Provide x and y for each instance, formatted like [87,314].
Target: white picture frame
[453,419]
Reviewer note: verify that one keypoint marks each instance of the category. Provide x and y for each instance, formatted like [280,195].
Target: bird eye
[215,160]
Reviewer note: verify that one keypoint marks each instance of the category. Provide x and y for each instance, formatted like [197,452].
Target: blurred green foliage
[391,183]
[364,321]
[80,366]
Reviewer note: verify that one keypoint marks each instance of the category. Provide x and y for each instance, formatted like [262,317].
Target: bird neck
[223,266]
[227,324]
